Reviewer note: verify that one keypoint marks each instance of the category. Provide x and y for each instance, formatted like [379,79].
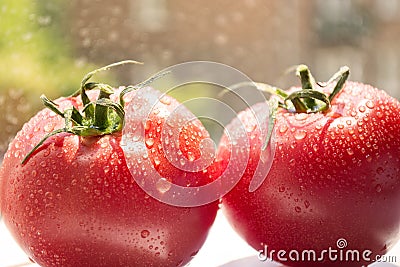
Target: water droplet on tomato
[48,195]
[340,126]
[147,125]
[145,233]
[191,157]
[165,100]
[349,151]
[379,170]
[297,209]
[378,188]
[292,162]
[283,129]
[370,104]
[306,204]
[163,185]
[300,116]
[251,128]
[281,189]
[149,142]
[48,127]
[300,134]
[361,108]
[157,162]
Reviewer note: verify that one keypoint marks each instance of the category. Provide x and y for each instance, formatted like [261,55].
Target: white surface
[223,248]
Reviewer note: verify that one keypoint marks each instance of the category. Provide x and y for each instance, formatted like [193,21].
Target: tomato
[74,201]
[334,183]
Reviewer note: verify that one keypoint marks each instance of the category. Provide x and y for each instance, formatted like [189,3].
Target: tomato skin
[75,202]
[334,176]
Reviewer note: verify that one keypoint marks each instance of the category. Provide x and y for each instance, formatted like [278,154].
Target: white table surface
[223,248]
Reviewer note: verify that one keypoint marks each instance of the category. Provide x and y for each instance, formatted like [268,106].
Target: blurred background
[46,46]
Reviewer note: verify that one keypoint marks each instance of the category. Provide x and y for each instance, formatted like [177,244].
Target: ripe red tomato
[334,181]
[74,202]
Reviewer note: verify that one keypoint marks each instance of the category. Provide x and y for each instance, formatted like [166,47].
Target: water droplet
[48,127]
[307,204]
[370,104]
[378,188]
[191,157]
[350,151]
[379,170]
[300,134]
[106,169]
[144,233]
[149,142]
[297,209]
[292,162]
[165,100]
[147,125]
[281,189]
[300,116]
[283,129]
[163,185]
[48,195]
[157,162]
[361,108]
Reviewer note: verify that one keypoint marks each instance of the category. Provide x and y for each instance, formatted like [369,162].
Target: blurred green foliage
[36,58]
[35,55]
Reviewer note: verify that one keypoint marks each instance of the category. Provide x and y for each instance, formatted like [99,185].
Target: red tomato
[334,181]
[74,202]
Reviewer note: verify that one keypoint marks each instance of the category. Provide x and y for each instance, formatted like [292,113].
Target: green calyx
[100,117]
[308,99]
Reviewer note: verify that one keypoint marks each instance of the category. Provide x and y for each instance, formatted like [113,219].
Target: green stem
[342,75]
